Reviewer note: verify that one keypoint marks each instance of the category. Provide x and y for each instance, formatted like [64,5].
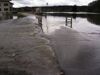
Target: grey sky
[21,3]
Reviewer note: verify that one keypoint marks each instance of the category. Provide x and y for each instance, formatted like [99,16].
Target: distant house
[5,6]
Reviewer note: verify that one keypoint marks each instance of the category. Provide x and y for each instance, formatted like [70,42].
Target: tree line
[94,6]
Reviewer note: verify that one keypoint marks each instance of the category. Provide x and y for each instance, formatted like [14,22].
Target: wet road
[23,50]
[77,49]
[77,55]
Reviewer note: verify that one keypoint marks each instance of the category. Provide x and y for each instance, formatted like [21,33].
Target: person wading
[39,16]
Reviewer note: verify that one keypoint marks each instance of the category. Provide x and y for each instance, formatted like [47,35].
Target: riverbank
[23,49]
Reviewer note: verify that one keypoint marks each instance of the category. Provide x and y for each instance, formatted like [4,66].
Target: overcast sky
[21,3]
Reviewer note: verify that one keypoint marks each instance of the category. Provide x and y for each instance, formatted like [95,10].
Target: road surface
[23,49]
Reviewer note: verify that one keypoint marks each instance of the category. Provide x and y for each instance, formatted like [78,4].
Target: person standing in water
[39,16]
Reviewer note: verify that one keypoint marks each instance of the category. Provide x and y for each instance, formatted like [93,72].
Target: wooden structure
[69,22]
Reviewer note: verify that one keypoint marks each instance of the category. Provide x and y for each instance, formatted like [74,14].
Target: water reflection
[6,17]
[9,16]
[77,53]
[39,17]
[68,22]
[95,19]
[74,16]
[80,22]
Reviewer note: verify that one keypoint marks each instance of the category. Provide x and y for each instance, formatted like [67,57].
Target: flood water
[10,16]
[76,40]
[81,23]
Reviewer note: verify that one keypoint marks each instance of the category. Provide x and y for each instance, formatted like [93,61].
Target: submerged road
[77,53]
[23,50]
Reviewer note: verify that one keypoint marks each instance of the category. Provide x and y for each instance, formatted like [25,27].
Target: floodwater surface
[76,41]
[80,23]
[10,16]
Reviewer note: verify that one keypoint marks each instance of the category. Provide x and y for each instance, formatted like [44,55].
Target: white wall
[2,7]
